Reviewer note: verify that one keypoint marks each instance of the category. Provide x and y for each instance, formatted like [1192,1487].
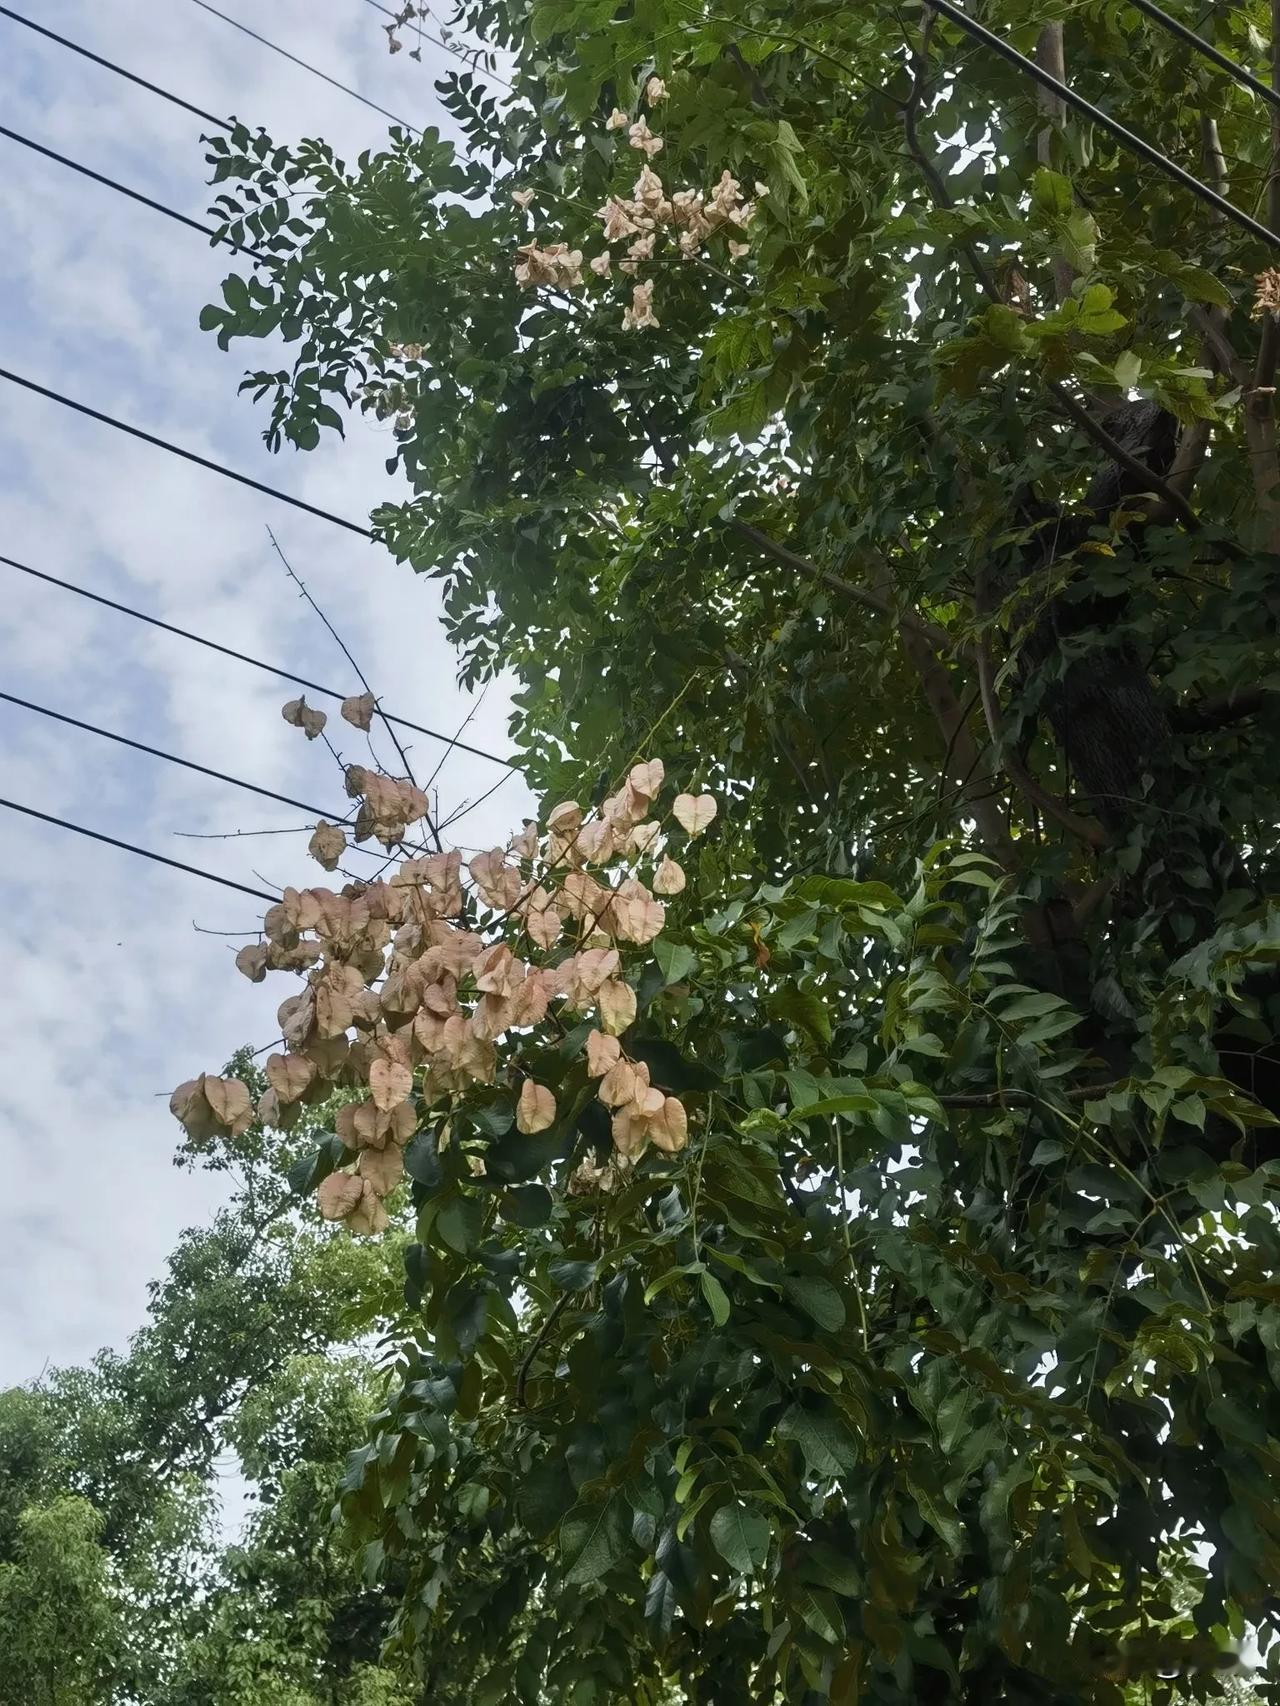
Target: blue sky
[110,997]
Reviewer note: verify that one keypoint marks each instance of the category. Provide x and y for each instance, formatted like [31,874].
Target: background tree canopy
[913,489]
[118,1580]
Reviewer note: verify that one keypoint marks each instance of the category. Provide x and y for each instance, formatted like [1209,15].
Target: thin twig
[1007,1093]
[455,738]
[360,675]
[937,637]
[522,1376]
[470,806]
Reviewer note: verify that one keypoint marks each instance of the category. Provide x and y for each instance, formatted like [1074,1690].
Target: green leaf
[669,1068]
[717,1298]
[664,1282]
[743,416]
[785,149]
[236,294]
[820,1612]
[818,1298]
[310,1170]
[1196,283]
[823,1565]
[675,960]
[1077,237]
[545,21]
[854,1102]
[494,1119]
[1127,369]
[805,1010]
[660,1605]
[828,1446]
[593,1538]
[1027,1006]
[741,1535]
[529,1206]
[1096,313]
[545,1494]
[1051,194]
[460,1224]
[844,892]
[572,1275]
[940,1516]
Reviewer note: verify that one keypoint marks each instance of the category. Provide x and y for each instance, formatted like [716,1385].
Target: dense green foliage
[936,534]
[118,1580]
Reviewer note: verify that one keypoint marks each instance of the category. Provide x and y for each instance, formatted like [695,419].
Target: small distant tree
[120,1577]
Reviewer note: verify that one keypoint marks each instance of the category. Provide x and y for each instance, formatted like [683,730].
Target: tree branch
[540,1338]
[1084,829]
[1152,482]
[360,675]
[741,667]
[1264,373]
[1193,446]
[997,1098]
[934,635]
[1211,714]
[1211,328]
[1077,412]
[759,94]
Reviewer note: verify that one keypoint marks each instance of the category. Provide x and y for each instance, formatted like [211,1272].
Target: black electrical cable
[188,455]
[134,195]
[1134,143]
[237,25]
[241,657]
[172,758]
[1224,63]
[110,65]
[142,852]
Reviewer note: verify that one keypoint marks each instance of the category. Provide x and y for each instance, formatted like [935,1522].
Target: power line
[314,70]
[110,65]
[188,455]
[142,852]
[241,657]
[134,195]
[1230,66]
[1133,142]
[173,758]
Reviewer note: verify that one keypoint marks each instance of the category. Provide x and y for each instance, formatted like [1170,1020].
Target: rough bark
[1106,715]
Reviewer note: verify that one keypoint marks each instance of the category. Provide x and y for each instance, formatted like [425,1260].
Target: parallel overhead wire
[188,455]
[110,65]
[241,657]
[1224,63]
[314,70]
[134,195]
[141,852]
[173,758]
[1134,143]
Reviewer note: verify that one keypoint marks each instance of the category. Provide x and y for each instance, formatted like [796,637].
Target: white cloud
[110,996]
